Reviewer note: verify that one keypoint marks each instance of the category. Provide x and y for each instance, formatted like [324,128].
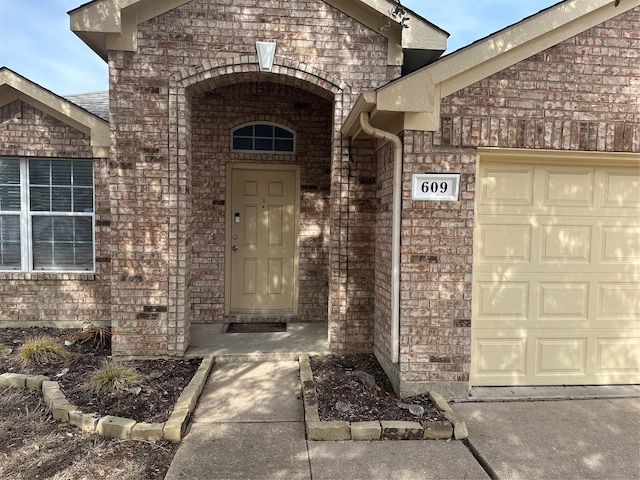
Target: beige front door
[262,239]
[556,281]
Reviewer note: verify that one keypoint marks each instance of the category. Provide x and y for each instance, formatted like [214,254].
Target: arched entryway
[209,106]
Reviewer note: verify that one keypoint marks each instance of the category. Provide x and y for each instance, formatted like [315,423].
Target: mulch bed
[360,384]
[162,381]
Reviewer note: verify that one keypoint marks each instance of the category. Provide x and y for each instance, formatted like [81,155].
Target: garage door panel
[501,357]
[617,357]
[563,187]
[620,244]
[504,300]
[505,243]
[512,185]
[561,357]
[618,300]
[556,275]
[562,301]
[565,243]
[621,189]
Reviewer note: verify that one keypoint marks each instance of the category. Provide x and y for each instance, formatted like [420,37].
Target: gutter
[395,231]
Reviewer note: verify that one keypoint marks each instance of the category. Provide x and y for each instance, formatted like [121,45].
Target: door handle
[234,248]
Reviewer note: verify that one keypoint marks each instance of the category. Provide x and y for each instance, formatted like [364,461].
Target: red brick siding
[46,299]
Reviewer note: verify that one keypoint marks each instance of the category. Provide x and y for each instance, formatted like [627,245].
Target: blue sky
[36,42]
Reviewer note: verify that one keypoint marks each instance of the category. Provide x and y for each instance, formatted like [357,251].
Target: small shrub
[42,350]
[113,376]
[100,336]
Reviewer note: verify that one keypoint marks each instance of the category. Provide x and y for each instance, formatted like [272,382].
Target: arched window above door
[263,137]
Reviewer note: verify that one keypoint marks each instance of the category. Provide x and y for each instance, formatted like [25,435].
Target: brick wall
[583,94]
[193,53]
[383,236]
[63,299]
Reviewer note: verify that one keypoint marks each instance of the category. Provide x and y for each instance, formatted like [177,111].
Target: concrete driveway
[567,439]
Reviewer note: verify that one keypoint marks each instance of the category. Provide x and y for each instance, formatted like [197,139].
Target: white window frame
[262,152]
[26,221]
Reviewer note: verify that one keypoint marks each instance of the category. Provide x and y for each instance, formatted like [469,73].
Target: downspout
[395,229]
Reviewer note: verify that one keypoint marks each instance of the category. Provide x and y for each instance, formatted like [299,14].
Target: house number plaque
[436,186]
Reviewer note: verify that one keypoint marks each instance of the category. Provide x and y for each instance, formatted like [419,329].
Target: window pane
[244,131]
[84,256]
[63,256]
[61,199]
[40,199]
[10,258]
[61,172]
[62,243]
[42,256]
[282,133]
[264,144]
[10,253]
[39,173]
[284,145]
[9,172]
[83,230]
[243,144]
[9,184]
[83,174]
[42,242]
[10,197]
[264,130]
[83,200]
[63,229]
[10,228]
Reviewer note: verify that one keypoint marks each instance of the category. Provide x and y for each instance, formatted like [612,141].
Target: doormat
[256,327]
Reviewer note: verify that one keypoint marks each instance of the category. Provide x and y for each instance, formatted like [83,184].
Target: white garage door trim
[556,279]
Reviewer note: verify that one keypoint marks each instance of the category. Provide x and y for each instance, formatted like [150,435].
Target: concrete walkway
[249,424]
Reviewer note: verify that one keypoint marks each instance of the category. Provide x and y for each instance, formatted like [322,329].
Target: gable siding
[62,299]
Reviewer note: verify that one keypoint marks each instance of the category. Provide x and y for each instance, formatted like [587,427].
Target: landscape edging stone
[454,428]
[110,426]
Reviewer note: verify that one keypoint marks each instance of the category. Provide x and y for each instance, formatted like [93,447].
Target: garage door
[556,281]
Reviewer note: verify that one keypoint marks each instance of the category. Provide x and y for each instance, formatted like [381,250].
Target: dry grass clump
[43,350]
[114,376]
[100,336]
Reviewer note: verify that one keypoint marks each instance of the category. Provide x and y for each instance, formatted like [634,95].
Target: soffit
[16,87]
[112,24]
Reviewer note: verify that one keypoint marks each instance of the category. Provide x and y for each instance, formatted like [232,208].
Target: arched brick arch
[229,70]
